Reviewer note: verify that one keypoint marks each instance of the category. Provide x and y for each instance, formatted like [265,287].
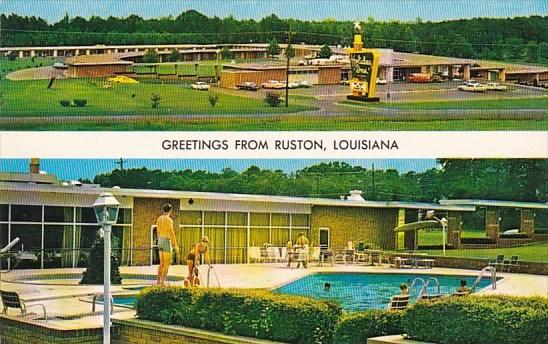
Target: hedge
[245,312]
[355,328]
[479,319]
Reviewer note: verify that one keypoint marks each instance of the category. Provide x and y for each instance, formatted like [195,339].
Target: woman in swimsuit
[193,259]
[166,242]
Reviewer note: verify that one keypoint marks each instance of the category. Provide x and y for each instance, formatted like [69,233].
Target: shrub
[94,273]
[357,327]
[251,313]
[485,319]
[213,98]
[155,98]
[80,102]
[64,102]
[273,99]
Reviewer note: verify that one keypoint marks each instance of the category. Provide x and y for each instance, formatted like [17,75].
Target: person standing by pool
[167,242]
[301,247]
[289,253]
[193,259]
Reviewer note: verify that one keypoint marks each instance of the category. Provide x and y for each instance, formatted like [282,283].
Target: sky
[72,169]
[435,10]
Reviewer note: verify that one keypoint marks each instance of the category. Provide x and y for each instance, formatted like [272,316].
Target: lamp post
[106,210]
[442,222]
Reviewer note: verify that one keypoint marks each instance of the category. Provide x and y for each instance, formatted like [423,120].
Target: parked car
[305,84]
[273,84]
[472,87]
[495,86]
[382,81]
[122,79]
[200,86]
[345,82]
[293,85]
[60,65]
[419,77]
[248,86]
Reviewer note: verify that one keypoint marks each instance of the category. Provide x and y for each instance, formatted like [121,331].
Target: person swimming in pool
[327,286]
[193,260]
[167,242]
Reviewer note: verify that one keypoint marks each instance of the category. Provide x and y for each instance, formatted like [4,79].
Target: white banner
[275,145]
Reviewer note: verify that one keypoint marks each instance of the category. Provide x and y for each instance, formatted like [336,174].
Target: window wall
[231,233]
[57,236]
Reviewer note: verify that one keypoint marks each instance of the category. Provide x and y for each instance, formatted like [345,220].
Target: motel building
[56,223]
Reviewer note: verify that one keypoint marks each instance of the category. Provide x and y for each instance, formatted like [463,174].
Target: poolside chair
[398,302]
[10,299]
[314,254]
[429,297]
[508,264]
[461,293]
[497,262]
[254,254]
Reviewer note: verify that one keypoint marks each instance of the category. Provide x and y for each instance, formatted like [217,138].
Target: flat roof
[400,59]
[495,203]
[99,59]
[146,193]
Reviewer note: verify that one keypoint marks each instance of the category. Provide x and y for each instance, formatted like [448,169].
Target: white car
[472,87]
[304,84]
[274,84]
[382,81]
[200,86]
[495,86]
[293,85]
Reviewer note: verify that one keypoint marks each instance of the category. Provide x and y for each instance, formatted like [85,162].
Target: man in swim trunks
[166,242]
[193,259]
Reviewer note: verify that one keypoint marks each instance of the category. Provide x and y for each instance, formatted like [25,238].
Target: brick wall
[19,332]
[136,331]
[355,224]
[329,75]
[145,213]
[96,71]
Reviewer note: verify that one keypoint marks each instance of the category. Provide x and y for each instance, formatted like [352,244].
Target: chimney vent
[34,166]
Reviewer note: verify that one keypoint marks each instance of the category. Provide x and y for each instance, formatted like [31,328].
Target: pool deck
[70,300]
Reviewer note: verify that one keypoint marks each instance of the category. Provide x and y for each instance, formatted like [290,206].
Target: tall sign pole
[364,65]
[288,55]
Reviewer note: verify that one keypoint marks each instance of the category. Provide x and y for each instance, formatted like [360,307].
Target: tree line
[497,179]
[513,39]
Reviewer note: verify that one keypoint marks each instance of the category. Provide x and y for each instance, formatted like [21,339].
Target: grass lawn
[8,66]
[31,98]
[436,237]
[506,103]
[529,253]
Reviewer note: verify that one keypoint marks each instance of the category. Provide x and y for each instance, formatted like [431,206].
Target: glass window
[31,240]
[85,236]
[26,213]
[214,218]
[216,243]
[280,236]
[237,219]
[58,214]
[4,212]
[190,217]
[85,215]
[236,246]
[280,220]
[124,216]
[260,219]
[58,246]
[299,220]
[3,243]
[259,236]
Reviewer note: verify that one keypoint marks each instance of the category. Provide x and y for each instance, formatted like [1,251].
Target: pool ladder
[493,273]
[94,302]
[425,284]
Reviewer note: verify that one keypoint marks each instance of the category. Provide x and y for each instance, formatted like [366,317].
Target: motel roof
[100,59]
[146,193]
[400,59]
[495,203]
[510,68]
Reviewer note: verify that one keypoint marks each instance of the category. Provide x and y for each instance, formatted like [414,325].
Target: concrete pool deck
[69,306]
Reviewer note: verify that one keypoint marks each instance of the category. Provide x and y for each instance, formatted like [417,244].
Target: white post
[444,229]
[106,292]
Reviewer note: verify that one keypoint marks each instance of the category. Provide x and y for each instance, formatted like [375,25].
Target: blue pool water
[357,292]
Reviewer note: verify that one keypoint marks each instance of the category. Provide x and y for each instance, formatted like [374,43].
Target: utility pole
[121,163]
[373,170]
[287,67]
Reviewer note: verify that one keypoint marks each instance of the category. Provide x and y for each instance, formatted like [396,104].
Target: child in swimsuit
[193,260]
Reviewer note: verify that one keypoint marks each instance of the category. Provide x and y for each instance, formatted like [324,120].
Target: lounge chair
[497,262]
[398,302]
[314,254]
[254,254]
[10,299]
[461,293]
[508,264]
[429,297]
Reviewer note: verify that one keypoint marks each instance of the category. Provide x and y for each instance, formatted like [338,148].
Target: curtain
[236,245]
[66,249]
[77,243]
[280,236]
[216,243]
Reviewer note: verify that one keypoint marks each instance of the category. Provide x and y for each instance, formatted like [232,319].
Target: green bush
[357,327]
[273,99]
[475,319]
[80,102]
[251,313]
[65,102]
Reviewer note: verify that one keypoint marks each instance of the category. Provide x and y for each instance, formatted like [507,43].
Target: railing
[493,273]
[415,281]
[425,287]
[94,302]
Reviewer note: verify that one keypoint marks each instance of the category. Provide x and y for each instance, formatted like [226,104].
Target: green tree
[226,53]
[289,51]
[543,51]
[325,52]
[532,52]
[155,98]
[151,56]
[94,273]
[273,48]
[174,56]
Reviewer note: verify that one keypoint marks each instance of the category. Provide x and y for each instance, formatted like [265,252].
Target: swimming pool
[357,291]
